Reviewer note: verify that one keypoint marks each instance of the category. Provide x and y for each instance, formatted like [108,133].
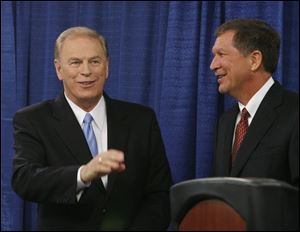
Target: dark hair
[253,34]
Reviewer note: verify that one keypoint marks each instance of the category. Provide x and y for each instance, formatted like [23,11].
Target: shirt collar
[257,98]
[98,113]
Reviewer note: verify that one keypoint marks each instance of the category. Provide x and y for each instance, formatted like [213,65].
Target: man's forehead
[223,40]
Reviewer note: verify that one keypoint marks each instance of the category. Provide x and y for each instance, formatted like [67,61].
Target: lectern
[228,203]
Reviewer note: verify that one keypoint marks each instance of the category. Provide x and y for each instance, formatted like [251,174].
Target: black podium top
[265,204]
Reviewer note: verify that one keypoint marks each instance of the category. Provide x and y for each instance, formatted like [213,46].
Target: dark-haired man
[259,136]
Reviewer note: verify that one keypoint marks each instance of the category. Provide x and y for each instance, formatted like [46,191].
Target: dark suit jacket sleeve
[155,211]
[294,152]
[32,179]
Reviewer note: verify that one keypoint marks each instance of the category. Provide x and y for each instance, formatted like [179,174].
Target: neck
[252,87]
[85,104]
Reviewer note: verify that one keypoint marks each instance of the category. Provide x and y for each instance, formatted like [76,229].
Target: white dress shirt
[254,103]
[99,125]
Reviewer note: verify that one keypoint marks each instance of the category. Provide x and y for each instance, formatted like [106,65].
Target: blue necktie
[89,134]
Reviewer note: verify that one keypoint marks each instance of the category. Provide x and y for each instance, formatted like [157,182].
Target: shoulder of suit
[288,95]
[292,97]
[40,107]
[129,106]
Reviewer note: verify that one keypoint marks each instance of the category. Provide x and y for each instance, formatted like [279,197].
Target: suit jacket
[270,148]
[50,147]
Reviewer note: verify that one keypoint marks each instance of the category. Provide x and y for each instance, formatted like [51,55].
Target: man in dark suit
[108,172]
[258,137]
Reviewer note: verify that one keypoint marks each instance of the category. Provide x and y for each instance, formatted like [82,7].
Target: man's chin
[90,97]
[222,90]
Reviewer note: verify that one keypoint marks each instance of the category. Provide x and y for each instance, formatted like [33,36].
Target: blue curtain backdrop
[160,54]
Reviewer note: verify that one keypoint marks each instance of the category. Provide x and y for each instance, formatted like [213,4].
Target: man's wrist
[81,182]
[82,174]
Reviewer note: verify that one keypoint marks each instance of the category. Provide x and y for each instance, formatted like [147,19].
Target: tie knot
[88,118]
[245,114]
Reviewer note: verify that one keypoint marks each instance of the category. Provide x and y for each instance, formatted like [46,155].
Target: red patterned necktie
[240,132]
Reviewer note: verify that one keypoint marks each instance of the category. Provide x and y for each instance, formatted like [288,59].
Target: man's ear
[255,60]
[107,69]
[58,69]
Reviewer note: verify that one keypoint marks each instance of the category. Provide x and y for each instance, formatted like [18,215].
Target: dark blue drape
[160,54]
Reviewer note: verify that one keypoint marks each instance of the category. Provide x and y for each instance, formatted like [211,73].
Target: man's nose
[215,64]
[85,69]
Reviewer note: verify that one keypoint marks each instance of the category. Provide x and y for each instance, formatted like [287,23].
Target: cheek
[101,73]
[242,69]
[70,74]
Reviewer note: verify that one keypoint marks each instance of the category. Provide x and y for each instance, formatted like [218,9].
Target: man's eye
[75,62]
[95,62]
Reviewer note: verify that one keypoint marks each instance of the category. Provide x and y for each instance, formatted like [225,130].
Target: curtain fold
[11,206]
[160,54]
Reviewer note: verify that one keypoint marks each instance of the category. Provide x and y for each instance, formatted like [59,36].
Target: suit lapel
[261,123]
[229,130]
[70,131]
[117,127]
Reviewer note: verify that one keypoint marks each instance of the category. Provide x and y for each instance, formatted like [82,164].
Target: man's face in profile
[232,69]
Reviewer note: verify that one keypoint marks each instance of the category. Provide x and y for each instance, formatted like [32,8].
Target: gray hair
[79,31]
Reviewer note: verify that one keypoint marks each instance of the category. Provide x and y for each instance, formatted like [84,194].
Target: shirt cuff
[80,184]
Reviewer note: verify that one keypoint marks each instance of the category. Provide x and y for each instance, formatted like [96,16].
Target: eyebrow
[95,57]
[73,58]
[217,50]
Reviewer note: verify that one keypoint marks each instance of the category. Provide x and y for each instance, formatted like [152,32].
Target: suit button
[103,210]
